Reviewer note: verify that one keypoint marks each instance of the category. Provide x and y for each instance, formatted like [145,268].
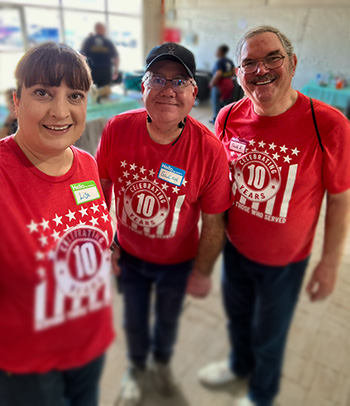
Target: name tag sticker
[171,174]
[85,192]
[238,145]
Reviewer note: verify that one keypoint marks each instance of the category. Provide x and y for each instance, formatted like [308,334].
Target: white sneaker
[243,402]
[131,387]
[216,374]
[164,379]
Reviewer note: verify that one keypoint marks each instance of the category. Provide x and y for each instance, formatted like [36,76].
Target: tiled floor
[317,364]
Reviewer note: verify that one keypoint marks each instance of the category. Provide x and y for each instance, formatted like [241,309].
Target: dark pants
[73,387]
[259,301]
[169,282]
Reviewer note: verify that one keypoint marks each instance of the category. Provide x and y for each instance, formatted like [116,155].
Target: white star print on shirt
[133,167]
[165,186]
[71,215]
[93,221]
[276,156]
[43,240]
[55,235]
[45,224]
[272,146]
[83,212]
[142,170]
[283,149]
[123,163]
[105,217]
[262,144]
[295,151]
[57,220]
[95,208]
[287,159]
[151,172]
[32,226]
[176,189]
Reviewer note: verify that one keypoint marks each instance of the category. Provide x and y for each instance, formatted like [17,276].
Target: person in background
[167,169]
[102,57]
[55,318]
[286,153]
[10,124]
[221,83]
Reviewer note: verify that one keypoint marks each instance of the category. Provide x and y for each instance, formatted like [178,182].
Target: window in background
[42,25]
[125,7]
[96,5]
[53,3]
[11,37]
[126,34]
[76,33]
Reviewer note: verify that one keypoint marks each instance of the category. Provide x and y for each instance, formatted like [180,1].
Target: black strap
[223,132]
[315,124]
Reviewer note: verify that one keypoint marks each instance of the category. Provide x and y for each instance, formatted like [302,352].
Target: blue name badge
[171,174]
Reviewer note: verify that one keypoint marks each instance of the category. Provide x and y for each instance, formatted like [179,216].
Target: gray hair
[285,41]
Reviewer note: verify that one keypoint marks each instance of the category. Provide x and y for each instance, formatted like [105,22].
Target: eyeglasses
[270,62]
[178,85]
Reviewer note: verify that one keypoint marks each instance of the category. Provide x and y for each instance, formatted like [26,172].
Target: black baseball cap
[175,52]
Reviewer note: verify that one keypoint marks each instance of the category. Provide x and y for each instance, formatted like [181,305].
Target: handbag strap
[313,117]
[224,130]
[315,124]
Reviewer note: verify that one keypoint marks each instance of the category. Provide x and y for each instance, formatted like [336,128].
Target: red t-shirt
[281,177]
[161,189]
[55,264]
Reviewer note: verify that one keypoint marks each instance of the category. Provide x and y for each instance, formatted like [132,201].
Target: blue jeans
[215,101]
[169,282]
[73,387]
[259,301]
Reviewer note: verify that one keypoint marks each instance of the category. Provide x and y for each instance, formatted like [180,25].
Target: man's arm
[115,67]
[323,278]
[215,78]
[210,245]
[107,188]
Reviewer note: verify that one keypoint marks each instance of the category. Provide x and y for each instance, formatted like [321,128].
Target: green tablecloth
[339,98]
[111,108]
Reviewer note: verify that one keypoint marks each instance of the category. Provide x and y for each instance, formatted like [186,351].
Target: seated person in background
[221,84]
[56,318]
[10,124]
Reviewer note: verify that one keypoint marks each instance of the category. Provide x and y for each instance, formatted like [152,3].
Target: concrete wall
[319,29]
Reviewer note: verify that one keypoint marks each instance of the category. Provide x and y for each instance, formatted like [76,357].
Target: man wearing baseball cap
[166,170]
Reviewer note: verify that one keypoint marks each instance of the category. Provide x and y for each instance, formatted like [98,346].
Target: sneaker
[164,379]
[216,374]
[243,402]
[131,387]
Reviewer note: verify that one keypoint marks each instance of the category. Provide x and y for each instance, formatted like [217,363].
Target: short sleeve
[216,196]
[336,157]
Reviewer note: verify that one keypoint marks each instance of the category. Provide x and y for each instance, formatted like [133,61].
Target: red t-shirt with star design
[55,295]
[160,190]
[280,176]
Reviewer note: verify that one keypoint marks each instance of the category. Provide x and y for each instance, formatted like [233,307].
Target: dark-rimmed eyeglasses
[270,62]
[159,82]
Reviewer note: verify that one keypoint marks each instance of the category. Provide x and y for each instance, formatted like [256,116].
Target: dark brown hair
[49,64]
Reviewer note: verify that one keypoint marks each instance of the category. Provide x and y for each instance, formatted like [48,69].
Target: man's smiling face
[265,87]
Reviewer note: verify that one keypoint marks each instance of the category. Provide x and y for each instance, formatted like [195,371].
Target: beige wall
[319,29]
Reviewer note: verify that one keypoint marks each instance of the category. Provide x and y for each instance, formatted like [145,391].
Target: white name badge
[238,145]
[85,192]
[171,174]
